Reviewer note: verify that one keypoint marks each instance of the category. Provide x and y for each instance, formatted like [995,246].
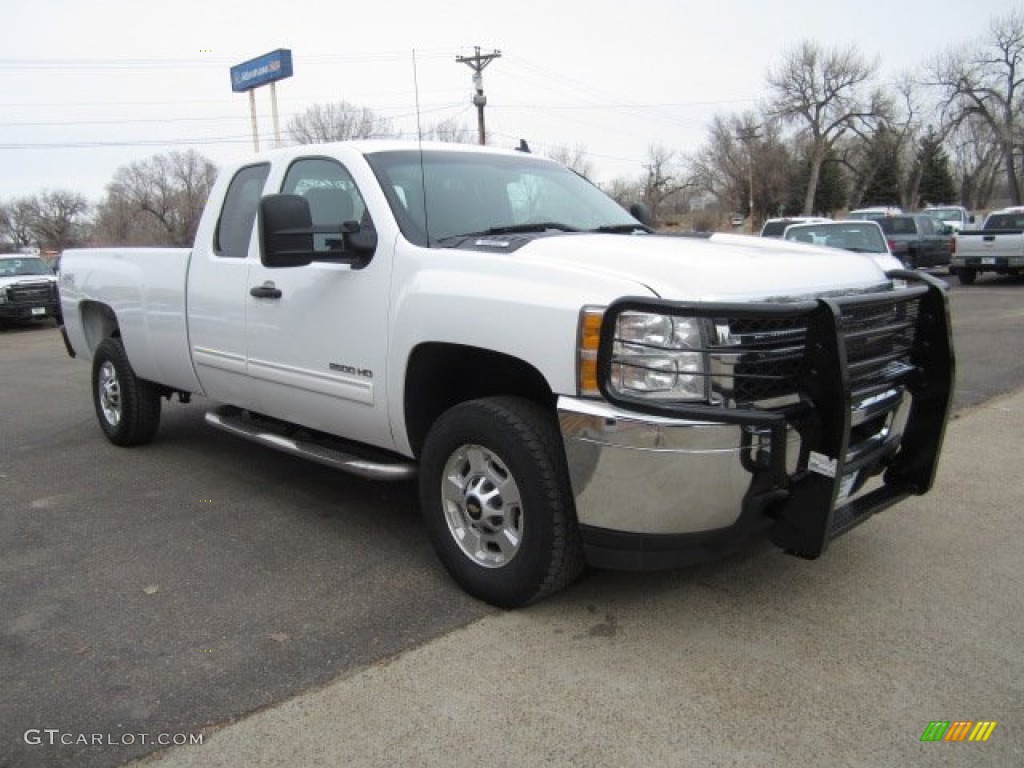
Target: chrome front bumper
[651,475]
[860,391]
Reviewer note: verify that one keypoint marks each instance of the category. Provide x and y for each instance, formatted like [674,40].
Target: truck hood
[15,279]
[717,268]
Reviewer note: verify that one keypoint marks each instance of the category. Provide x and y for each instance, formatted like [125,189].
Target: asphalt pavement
[205,588]
[916,616]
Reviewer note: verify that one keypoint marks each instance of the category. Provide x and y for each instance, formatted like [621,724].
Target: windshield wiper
[530,226]
[624,229]
[533,226]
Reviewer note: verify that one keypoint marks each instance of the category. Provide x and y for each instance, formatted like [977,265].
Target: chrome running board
[330,452]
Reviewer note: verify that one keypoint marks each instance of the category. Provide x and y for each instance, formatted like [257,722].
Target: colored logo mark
[958,730]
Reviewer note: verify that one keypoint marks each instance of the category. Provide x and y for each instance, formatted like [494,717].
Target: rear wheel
[496,501]
[128,408]
[966,275]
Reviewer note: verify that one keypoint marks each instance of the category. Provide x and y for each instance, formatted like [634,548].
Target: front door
[317,335]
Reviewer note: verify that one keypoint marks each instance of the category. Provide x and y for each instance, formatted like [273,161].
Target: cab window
[234,227]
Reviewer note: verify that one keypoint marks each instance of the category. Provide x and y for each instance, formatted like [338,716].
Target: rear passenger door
[218,289]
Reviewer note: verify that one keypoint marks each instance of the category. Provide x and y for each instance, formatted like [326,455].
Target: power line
[200,60]
[241,139]
[145,120]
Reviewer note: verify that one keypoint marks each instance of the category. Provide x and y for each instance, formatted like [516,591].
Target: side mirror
[287,236]
[286,231]
[642,213]
[359,239]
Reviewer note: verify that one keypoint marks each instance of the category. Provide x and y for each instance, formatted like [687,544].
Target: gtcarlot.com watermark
[55,737]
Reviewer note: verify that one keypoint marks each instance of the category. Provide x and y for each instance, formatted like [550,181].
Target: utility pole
[477,63]
[748,135]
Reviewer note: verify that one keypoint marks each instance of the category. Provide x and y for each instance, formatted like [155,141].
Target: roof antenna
[523,146]
[419,140]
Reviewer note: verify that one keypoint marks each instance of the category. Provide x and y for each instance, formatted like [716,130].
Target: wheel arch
[99,322]
[441,375]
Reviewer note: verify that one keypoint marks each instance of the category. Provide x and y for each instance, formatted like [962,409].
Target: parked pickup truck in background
[568,386]
[874,212]
[28,288]
[917,240]
[956,217]
[997,247]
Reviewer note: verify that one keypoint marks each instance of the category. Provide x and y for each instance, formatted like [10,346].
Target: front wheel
[128,408]
[496,502]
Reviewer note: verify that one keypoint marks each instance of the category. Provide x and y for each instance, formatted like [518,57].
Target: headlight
[660,357]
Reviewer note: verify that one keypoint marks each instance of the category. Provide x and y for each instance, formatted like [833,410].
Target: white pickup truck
[569,386]
[997,247]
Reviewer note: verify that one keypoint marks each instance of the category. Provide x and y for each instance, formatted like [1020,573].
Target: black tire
[966,276]
[501,455]
[128,408]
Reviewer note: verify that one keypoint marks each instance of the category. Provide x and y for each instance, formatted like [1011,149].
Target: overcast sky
[87,87]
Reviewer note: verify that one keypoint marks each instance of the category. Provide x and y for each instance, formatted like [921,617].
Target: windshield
[1005,221]
[898,225]
[862,237]
[24,265]
[469,193]
[944,214]
[775,228]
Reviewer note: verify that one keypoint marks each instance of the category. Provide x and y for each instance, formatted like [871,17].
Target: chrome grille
[756,361]
[31,293]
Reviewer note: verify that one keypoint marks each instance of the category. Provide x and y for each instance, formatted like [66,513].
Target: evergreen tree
[883,186]
[937,185]
[831,194]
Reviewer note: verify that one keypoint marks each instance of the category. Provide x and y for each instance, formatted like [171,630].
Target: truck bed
[145,288]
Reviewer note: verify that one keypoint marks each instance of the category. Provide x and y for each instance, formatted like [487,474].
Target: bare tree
[660,183]
[59,219]
[574,157]
[821,91]
[16,219]
[625,191]
[719,168]
[450,131]
[976,159]
[339,121]
[987,81]
[158,200]
[118,221]
[742,148]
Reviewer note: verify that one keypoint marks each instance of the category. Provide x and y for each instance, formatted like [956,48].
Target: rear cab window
[237,216]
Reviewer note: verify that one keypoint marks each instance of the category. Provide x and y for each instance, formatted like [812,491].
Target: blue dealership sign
[264,69]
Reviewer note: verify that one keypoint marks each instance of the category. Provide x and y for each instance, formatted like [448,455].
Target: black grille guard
[847,350]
